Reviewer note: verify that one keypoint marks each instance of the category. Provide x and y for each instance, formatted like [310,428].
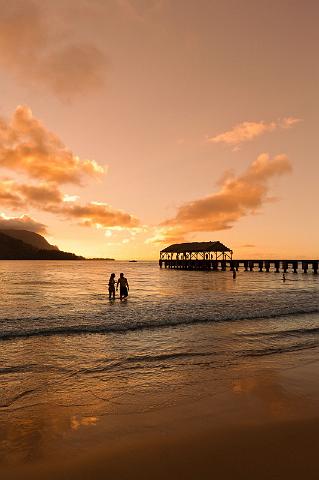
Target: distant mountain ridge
[12,248]
[31,238]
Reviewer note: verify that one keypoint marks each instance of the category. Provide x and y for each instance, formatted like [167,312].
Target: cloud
[9,198]
[48,197]
[99,215]
[39,52]
[247,131]
[42,194]
[24,222]
[238,196]
[15,195]
[73,70]
[289,122]
[27,146]
[70,198]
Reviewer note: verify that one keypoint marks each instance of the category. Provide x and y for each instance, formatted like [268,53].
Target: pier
[215,256]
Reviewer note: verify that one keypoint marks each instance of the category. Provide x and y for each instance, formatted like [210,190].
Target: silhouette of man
[124,287]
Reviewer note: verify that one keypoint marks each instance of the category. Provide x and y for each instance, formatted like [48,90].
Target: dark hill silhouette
[15,249]
[31,238]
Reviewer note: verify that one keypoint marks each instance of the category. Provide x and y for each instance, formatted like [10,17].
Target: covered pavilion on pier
[196,251]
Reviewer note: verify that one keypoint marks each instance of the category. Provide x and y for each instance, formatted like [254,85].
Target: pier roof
[196,247]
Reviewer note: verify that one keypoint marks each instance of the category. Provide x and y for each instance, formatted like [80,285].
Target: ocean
[70,357]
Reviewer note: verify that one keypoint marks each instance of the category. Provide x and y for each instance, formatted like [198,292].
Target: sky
[128,125]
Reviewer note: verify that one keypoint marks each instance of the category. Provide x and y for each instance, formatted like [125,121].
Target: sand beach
[257,429]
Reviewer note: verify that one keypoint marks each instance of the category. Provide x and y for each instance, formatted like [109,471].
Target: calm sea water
[66,347]
[61,298]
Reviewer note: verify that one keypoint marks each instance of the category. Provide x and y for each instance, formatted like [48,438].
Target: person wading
[112,287]
[124,288]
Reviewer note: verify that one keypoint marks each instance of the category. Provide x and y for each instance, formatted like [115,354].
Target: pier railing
[276,266]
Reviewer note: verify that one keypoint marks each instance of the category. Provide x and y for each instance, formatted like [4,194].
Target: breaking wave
[134,326]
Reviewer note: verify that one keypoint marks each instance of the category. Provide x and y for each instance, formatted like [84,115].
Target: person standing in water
[124,288]
[112,287]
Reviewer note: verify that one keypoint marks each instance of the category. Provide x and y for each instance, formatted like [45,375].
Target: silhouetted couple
[122,282]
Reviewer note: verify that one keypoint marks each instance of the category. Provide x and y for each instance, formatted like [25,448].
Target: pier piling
[275,266]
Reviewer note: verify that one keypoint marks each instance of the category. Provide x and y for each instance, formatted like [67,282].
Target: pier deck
[276,266]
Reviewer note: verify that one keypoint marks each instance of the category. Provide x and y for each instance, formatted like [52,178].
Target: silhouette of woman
[112,286]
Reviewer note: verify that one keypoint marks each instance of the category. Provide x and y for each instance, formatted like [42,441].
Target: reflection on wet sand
[170,443]
[36,435]
[270,393]
[44,408]
[78,422]
[89,414]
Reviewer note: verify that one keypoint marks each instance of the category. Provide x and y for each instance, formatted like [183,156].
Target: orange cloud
[9,198]
[247,131]
[48,197]
[15,195]
[40,195]
[99,215]
[289,122]
[24,222]
[27,146]
[238,196]
[37,53]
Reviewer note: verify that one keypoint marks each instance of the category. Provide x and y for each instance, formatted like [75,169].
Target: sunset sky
[127,125]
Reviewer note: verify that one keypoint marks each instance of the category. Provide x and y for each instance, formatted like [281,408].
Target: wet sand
[255,426]
[278,450]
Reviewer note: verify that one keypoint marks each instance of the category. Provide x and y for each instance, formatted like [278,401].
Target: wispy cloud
[247,131]
[38,56]
[238,196]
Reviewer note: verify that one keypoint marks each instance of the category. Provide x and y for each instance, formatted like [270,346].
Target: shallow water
[70,357]
[70,297]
